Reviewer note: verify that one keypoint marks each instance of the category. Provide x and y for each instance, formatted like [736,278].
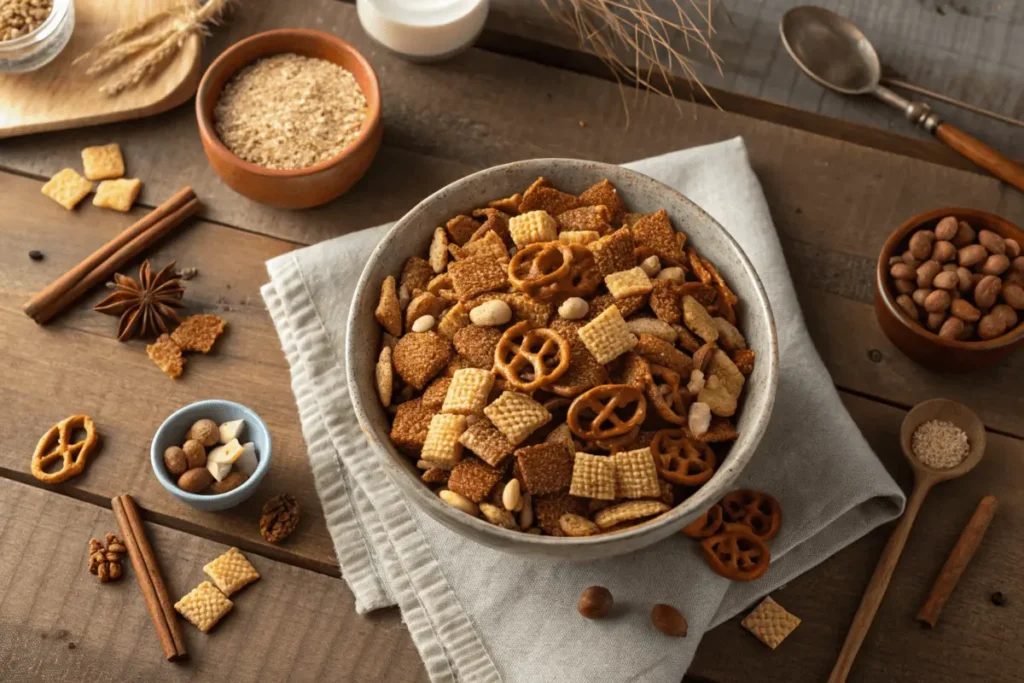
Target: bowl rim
[206,92]
[889,301]
[504,538]
[157,458]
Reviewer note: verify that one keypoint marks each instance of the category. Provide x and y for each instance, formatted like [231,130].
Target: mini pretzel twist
[592,415]
[680,460]
[667,392]
[705,526]
[56,445]
[531,359]
[541,270]
[736,553]
[756,510]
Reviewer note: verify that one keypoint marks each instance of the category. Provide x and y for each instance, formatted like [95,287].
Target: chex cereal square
[607,336]
[635,474]
[442,447]
[516,416]
[770,623]
[67,188]
[628,282]
[473,479]
[593,476]
[454,319]
[546,467]
[231,571]
[534,226]
[204,606]
[488,443]
[613,252]
[475,275]
[655,232]
[594,218]
[605,194]
[468,391]
[118,194]
[629,511]
[103,162]
[489,245]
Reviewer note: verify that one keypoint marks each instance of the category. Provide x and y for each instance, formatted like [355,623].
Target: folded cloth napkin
[477,614]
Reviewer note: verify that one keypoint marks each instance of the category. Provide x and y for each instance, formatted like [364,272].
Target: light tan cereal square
[628,283]
[118,195]
[476,275]
[389,312]
[468,391]
[655,232]
[454,319]
[605,194]
[653,327]
[103,162]
[545,468]
[385,376]
[67,188]
[204,606]
[411,424]
[593,476]
[579,236]
[770,623]
[534,226]
[199,332]
[635,474]
[473,479]
[442,447]
[487,442]
[614,252]
[594,218]
[167,356]
[607,337]
[516,416]
[628,511]
[231,572]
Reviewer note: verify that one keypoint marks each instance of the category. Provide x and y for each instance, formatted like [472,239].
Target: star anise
[146,305]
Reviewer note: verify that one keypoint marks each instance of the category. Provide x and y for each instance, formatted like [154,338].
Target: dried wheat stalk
[636,43]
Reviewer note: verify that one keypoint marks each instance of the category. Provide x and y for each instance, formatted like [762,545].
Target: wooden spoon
[925,478]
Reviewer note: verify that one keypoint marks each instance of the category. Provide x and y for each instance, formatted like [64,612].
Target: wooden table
[835,190]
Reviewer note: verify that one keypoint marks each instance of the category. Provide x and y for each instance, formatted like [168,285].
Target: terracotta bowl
[304,187]
[412,235]
[915,340]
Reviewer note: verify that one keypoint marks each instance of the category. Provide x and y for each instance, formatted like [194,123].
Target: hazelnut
[205,432]
[946,228]
[668,620]
[595,602]
[175,461]
[195,454]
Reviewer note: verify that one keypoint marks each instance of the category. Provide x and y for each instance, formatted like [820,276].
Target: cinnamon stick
[953,569]
[102,263]
[151,581]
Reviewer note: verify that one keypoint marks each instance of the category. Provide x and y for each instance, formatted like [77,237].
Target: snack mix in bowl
[558,365]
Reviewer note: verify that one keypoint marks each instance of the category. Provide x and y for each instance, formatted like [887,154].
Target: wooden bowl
[915,340]
[304,187]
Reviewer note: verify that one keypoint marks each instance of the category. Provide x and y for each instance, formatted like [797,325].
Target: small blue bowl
[172,433]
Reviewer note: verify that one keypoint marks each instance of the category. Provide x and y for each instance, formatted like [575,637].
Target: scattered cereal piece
[103,162]
[411,424]
[722,367]
[477,345]
[477,275]
[550,508]
[439,250]
[595,602]
[231,572]
[653,327]
[416,274]
[577,525]
[605,194]
[655,232]
[454,319]
[461,228]
[651,265]
[487,442]
[607,337]
[167,356]
[635,474]
[467,394]
[729,338]
[118,195]
[517,416]
[585,218]
[744,360]
[434,475]
[628,511]
[628,283]
[199,332]
[613,252]
[593,476]
[698,320]
[204,606]
[664,301]
[389,312]
[509,205]
[498,516]
[67,188]
[490,245]
[548,199]
[442,447]
[473,480]
[534,226]
[545,468]
[627,306]
[385,377]
[420,356]
[660,352]
[770,623]
[579,236]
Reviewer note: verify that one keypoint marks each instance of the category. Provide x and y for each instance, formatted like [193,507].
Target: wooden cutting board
[60,96]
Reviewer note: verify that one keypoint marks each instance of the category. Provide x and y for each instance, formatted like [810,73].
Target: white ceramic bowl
[411,236]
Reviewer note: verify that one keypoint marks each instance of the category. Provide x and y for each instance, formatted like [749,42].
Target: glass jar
[38,48]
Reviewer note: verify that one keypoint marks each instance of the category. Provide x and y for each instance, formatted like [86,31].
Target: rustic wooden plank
[58,623]
[897,649]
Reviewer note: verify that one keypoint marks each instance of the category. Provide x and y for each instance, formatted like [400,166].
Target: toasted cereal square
[534,226]
[661,352]
[698,320]
[473,479]
[461,228]
[442,447]
[118,195]
[561,435]
[627,305]
[453,320]
[629,511]
[607,337]
[199,332]
[433,395]
[664,301]
[424,303]
[439,250]
[613,252]
[545,468]
[721,366]
[550,508]
[476,275]
[593,476]
[744,360]
[204,606]
[697,266]
[579,236]
[487,442]
[655,232]
[516,416]
[231,572]
[584,370]
[729,337]
[635,474]
[605,194]
[594,218]
[770,623]
[721,430]
[389,312]
[628,282]
[494,221]
[67,188]
[467,394]
[416,274]
[167,356]
[509,205]
[420,356]
[489,245]
[385,376]
[103,162]
[543,197]
[411,424]
[477,344]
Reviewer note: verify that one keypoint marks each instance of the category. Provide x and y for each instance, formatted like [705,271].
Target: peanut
[971,255]
[909,259]
[943,251]
[964,235]
[965,311]
[966,283]
[908,306]
[987,291]
[920,295]
[491,313]
[903,287]
[949,267]
[920,244]
[935,320]
[992,241]
[946,228]
[926,273]
[901,271]
[1012,247]
[1013,294]
[1007,314]
[674,273]
[459,502]
[511,497]
[573,308]
[996,264]
[947,280]
[953,328]
[424,323]
[991,326]
[651,265]
[938,301]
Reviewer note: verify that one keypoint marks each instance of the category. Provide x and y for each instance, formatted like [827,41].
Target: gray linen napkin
[478,614]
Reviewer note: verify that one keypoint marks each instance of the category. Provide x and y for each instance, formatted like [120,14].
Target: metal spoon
[925,478]
[833,51]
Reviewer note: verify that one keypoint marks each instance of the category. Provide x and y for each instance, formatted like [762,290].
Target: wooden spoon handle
[879,583]
[981,154]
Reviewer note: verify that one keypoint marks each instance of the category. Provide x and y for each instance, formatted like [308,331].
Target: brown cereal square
[655,232]
[490,246]
[770,623]
[167,356]
[433,396]
[664,301]
[613,252]
[584,370]
[487,442]
[118,195]
[605,194]
[627,305]
[686,339]
[550,508]
[67,188]
[721,430]
[420,356]
[416,274]
[461,228]
[545,468]
[494,221]
[509,205]
[544,198]
[103,162]
[697,266]
[477,345]
[744,360]
[476,275]
[389,312]
[586,218]
[661,352]
[593,476]
[473,479]
[719,281]
[453,320]
[636,371]
[424,303]
[199,332]
[411,423]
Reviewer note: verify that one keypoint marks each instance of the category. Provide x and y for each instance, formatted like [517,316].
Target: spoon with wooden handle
[925,478]
[834,53]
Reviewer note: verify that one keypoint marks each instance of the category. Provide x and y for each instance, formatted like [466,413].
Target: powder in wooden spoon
[940,444]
